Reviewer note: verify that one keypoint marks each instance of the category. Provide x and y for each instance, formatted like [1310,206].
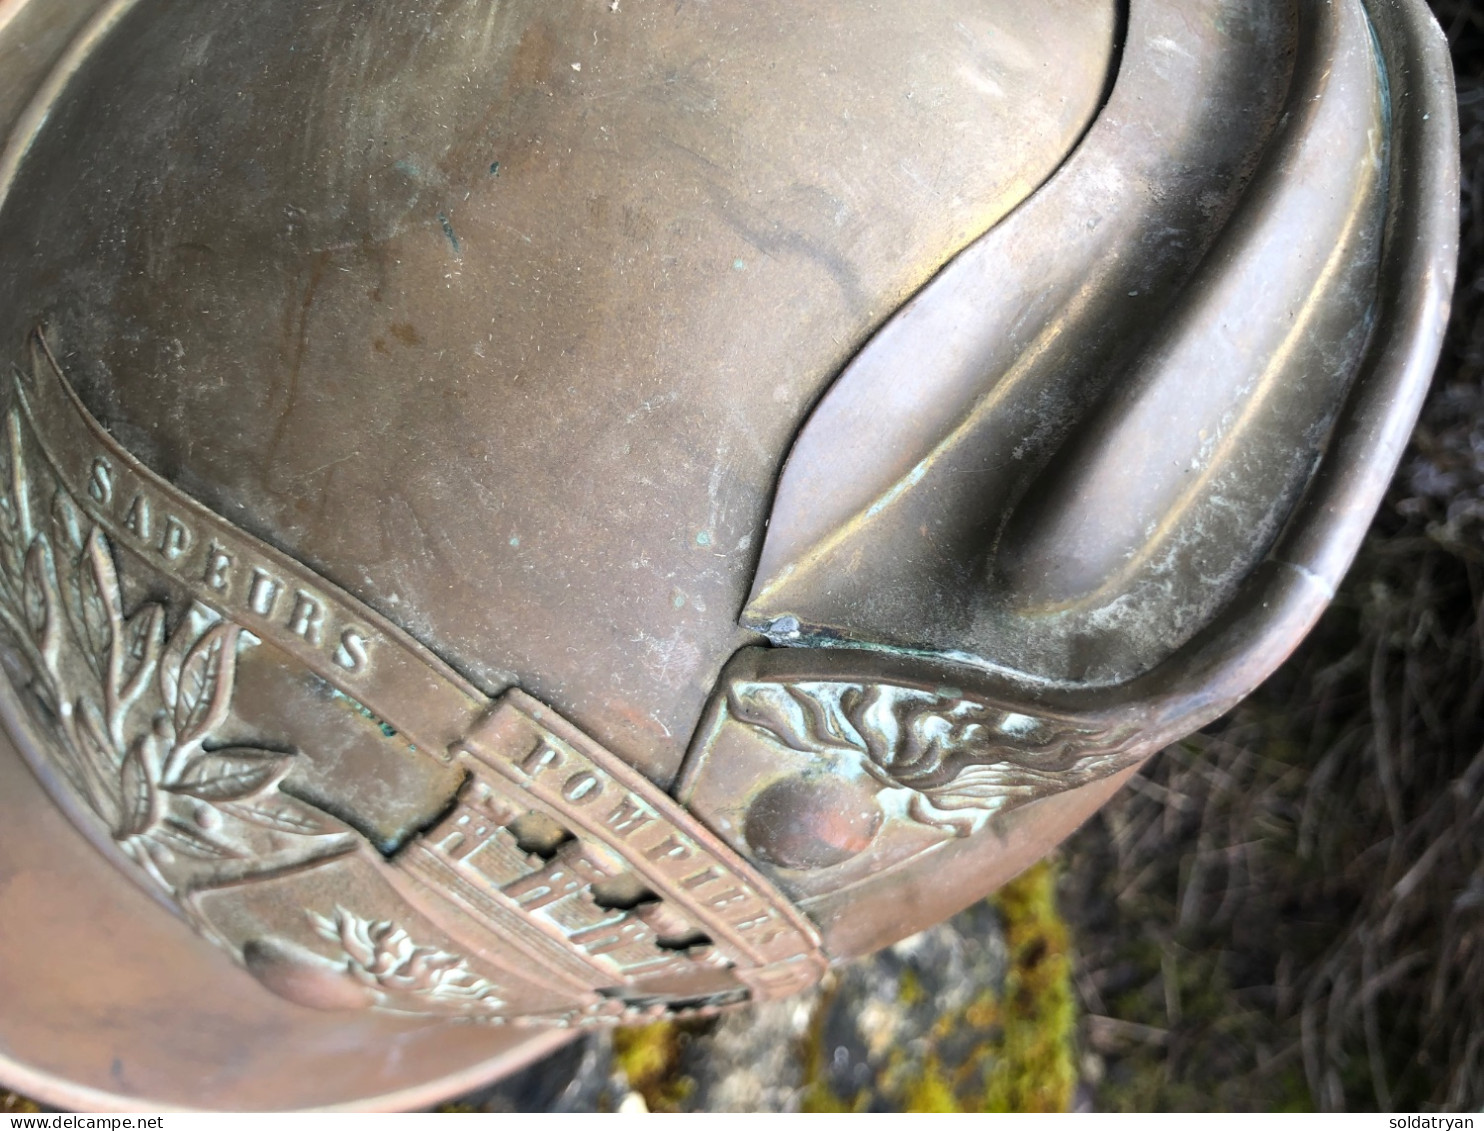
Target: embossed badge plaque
[560,887]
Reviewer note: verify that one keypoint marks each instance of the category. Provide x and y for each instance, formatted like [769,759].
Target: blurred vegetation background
[1287,910]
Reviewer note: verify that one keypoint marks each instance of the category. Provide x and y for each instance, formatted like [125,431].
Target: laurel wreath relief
[136,703]
[382,956]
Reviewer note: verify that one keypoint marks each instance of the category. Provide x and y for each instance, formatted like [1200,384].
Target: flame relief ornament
[137,702]
[960,761]
[831,777]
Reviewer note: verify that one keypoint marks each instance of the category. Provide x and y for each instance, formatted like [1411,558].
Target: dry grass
[1287,910]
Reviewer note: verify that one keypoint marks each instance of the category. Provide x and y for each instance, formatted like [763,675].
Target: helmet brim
[106,1003]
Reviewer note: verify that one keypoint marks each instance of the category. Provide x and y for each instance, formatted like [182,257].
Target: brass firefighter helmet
[525,516]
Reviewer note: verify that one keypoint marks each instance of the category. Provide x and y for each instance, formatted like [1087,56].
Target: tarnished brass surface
[409,371]
[559,888]
[533,515]
[111,1003]
[1215,424]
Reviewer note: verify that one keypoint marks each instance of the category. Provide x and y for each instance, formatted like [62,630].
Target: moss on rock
[976,1015]
[651,1057]
[12,1104]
